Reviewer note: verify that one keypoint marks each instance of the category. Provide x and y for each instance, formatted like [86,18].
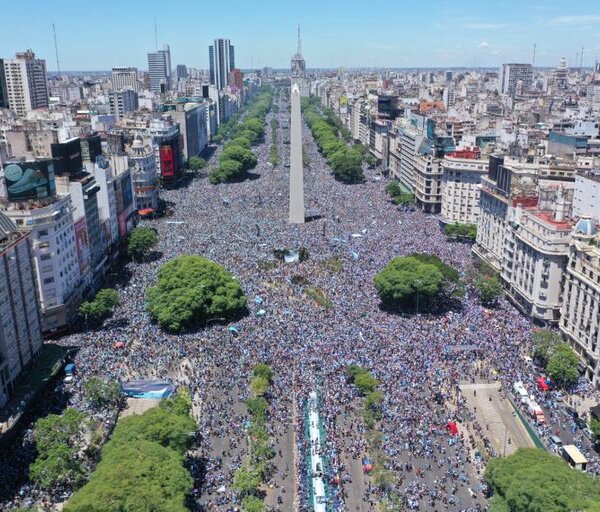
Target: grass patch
[319,297]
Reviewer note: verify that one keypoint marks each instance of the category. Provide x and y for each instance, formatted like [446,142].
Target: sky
[335,33]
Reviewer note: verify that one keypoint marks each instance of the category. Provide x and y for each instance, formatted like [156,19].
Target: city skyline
[343,35]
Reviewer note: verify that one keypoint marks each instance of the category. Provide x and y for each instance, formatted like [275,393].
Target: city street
[353,232]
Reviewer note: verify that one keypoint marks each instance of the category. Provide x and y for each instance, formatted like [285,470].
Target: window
[48,280]
[45,257]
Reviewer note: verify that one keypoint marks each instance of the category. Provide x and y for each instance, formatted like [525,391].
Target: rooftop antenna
[581,59]
[56,50]
[533,61]
[155,33]
[299,42]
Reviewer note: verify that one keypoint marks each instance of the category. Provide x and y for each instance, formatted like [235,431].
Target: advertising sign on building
[83,245]
[29,180]
[167,161]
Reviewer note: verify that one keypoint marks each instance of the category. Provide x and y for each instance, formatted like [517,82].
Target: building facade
[124,78]
[121,102]
[221,56]
[580,320]
[26,86]
[461,189]
[20,322]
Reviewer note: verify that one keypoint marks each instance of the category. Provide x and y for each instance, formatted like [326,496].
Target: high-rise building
[512,74]
[121,102]
[221,56]
[20,323]
[3,91]
[124,78]
[181,72]
[159,70]
[26,87]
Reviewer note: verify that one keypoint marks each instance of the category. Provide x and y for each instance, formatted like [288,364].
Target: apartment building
[461,188]
[580,320]
[144,175]
[20,322]
[427,189]
[536,250]
[55,246]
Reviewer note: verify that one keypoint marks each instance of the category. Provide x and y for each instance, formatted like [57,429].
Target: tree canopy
[532,480]
[488,288]
[105,301]
[544,341]
[141,241]
[411,281]
[191,290]
[141,467]
[102,393]
[196,163]
[326,128]
[58,440]
[563,365]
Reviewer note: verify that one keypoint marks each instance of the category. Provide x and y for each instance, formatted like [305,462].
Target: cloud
[475,25]
[569,21]
[483,44]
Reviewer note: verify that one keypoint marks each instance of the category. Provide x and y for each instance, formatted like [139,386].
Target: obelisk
[296,164]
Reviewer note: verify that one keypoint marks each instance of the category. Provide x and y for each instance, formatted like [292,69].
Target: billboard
[29,180]
[170,159]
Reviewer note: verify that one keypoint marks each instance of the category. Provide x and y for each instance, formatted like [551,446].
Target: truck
[69,373]
[535,411]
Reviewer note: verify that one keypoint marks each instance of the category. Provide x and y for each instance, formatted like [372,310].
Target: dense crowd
[354,230]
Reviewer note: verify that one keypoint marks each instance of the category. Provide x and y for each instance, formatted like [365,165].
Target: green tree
[103,304]
[195,163]
[141,241]
[58,440]
[140,476]
[488,288]
[461,231]
[263,370]
[543,342]
[228,170]
[346,166]
[393,189]
[563,365]
[141,467]
[407,282]
[255,125]
[246,480]
[537,481]
[595,428]
[192,289]
[253,504]
[242,142]
[259,385]
[102,393]
[240,154]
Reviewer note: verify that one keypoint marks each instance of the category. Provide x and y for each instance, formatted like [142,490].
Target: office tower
[124,78]
[511,74]
[181,71]
[26,87]
[20,325]
[159,70]
[121,102]
[222,60]
[3,91]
